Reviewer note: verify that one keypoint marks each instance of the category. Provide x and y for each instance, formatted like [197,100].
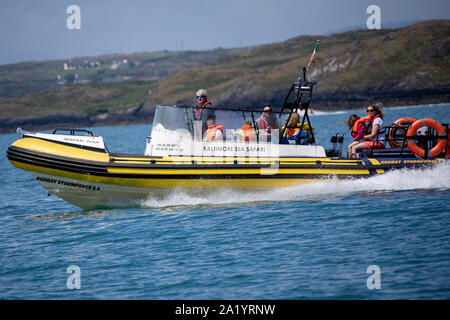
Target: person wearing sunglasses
[376,138]
[204,109]
[267,122]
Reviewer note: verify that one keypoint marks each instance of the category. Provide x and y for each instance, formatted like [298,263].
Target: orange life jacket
[248,132]
[211,133]
[367,120]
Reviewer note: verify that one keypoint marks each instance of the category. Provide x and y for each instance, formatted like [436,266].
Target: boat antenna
[311,61]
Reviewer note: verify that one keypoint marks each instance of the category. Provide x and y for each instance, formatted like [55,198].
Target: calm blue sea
[308,242]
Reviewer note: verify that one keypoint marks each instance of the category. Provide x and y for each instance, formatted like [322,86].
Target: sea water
[385,237]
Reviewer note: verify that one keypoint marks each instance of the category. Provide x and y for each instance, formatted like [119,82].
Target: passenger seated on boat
[204,108]
[357,133]
[247,132]
[293,134]
[214,132]
[376,139]
[267,122]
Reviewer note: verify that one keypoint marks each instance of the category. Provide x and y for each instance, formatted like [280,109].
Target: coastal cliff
[404,66]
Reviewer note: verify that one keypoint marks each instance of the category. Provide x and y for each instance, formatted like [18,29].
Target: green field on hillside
[81,99]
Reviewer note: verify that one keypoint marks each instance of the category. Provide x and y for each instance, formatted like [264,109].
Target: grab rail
[72,131]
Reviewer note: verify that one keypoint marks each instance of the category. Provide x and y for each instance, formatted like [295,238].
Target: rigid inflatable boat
[75,165]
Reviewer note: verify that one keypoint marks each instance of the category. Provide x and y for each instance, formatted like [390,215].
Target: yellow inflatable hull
[95,179]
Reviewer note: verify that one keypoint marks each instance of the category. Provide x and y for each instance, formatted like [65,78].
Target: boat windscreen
[174,118]
[232,123]
[232,120]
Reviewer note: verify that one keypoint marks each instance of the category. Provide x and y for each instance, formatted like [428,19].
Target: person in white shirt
[376,139]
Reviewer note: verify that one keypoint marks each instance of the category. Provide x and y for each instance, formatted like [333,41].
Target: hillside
[29,77]
[402,66]
[77,105]
[89,91]
[396,66]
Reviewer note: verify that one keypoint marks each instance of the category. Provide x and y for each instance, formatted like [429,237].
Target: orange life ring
[426,122]
[396,125]
[405,121]
[447,154]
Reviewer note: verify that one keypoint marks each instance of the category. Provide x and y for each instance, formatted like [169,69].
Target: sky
[37,30]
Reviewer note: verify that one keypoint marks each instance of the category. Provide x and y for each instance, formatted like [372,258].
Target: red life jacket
[197,116]
[263,125]
[292,132]
[371,125]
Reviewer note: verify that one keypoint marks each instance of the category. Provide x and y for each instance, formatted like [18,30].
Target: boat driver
[204,108]
[267,122]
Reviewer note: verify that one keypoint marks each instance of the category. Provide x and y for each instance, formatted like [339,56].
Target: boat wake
[324,113]
[400,180]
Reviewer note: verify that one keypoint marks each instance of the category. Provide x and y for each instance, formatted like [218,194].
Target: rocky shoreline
[389,94]
[144,113]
